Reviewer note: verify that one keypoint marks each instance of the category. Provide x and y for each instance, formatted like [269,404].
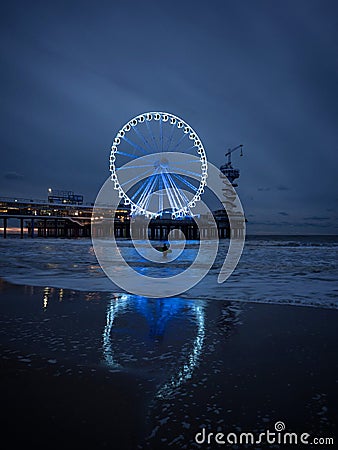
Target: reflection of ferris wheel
[151,185]
[166,309]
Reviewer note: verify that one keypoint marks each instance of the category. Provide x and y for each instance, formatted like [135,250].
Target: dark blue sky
[260,73]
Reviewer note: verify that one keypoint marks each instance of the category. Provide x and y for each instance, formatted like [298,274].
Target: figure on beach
[165,249]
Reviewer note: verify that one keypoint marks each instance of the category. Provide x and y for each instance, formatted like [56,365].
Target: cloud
[282,213]
[282,188]
[316,218]
[316,225]
[13,176]
[277,188]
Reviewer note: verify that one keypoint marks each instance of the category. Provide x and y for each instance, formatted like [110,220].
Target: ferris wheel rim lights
[186,129]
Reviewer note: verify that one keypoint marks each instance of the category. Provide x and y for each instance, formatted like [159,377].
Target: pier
[45,219]
[40,218]
[63,215]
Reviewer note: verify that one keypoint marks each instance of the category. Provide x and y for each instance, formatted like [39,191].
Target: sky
[259,73]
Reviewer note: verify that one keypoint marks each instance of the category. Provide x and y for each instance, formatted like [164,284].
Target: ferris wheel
[147,170]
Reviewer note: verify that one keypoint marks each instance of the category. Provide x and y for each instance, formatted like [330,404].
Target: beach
[95,370]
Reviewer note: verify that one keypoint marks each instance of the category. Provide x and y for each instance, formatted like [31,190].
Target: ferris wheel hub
[162,163]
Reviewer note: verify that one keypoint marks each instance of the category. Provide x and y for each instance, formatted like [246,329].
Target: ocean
[297,270]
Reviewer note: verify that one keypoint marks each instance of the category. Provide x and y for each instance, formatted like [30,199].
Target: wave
[270,270]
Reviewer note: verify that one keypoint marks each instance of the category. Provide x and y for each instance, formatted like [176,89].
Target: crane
[227,168]
[228,153]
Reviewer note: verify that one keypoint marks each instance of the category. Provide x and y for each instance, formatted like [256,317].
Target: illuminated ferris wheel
[147,170]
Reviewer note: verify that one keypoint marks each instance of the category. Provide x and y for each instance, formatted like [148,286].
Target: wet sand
[259,364]
[87,411]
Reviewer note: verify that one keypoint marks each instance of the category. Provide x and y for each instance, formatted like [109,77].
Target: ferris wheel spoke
[137,192]
[186,162]
[179,142]
[188,149]
[132,143]
[173,127]
[152,137]
[133,167]
[160,197]
[145,197]
[189,172]
[186,182]
[144,139]
[140,176]
[161,134]
[177,193]
[167,189]
[185,200]
[181,192]
[150,193]
[119,152]
[145,186]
